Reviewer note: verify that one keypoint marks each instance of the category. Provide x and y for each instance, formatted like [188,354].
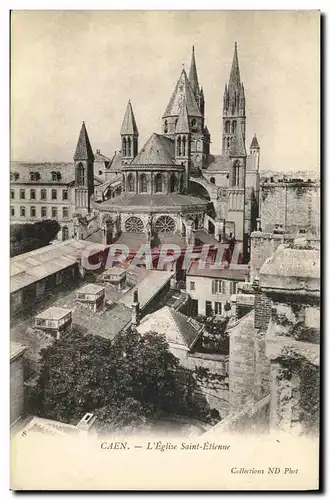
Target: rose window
[134,225]
[165,224]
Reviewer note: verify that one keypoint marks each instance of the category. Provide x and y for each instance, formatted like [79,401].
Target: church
[173,189]
[173,186]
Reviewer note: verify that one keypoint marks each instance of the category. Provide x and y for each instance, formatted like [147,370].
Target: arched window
[173,183]
[165,127]
[80,174]
[194,124]
[233,127]
[227,127]
[22,211]
[184,140]
[228,142]
[130,183]
[224,143]
[143,183]
[129,147]
[123,183]
[158,183]
[236,172]
[124,146]
[212,180]
[178,146]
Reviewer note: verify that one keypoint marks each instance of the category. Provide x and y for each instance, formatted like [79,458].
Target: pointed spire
[237,147]
[129,124]
[182,91]
[254,143]
[193,78]
[84,149]
[182,126]
[234,79]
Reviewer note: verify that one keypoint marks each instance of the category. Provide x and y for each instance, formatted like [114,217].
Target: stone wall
[295,205]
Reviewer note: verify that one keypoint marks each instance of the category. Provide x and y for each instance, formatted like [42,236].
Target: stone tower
[129,136]
[233,106]
[84,172]
[182,141]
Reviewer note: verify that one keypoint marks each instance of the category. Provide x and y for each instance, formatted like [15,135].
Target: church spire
[129,124]
[234,79]
[84,149]
[193,78]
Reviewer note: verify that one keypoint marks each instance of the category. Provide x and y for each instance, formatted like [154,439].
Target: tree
[27,237]
[215,337]
[124,382]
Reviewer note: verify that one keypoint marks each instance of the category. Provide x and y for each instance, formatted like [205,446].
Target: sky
[70,66]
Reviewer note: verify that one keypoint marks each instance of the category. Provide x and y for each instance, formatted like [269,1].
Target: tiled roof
[100,158]
[229,273]
[182,91]
[158,150]
[30,267]
[218,163]
[149,200]
[177,328]
[16,349]
[254,143]
[116,162]
[182,125]
[45,170]
[84,149]
[129,124]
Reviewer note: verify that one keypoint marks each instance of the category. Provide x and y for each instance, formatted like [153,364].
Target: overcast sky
[70,66]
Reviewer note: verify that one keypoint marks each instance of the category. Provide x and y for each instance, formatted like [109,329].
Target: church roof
[237,147]
[234,79]
[182,126]
[177,328]
[129,124]
[84,149]
[154,202]
[254,143]
[158,150]
[183,90]
[193,78]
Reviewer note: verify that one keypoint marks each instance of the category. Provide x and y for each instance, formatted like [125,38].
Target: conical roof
[158,150]
[182,91]
[129,124]
[182,125]
[234,79]
[254,143]
[237,147]
[84,149]
[193,78]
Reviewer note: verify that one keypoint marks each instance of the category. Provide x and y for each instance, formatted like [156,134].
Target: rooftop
[153,282]
[156,202]
[30,267]
[182,91]
[16,349]
[218,163]
[91,288]
[238,273]
[54,313]
[177,328]
[158,150]
[66,170]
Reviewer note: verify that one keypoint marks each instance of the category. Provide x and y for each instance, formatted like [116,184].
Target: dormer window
[194,124]
[56,176]
[34,176]
[14,176]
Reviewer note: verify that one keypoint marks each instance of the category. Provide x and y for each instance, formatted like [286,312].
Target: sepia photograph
[164,250]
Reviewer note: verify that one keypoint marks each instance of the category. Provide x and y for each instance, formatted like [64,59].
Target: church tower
[233,106]
[182,141]
[236,190]
[84,172]
[129,136]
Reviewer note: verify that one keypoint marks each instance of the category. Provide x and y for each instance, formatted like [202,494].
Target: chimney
[135,309]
